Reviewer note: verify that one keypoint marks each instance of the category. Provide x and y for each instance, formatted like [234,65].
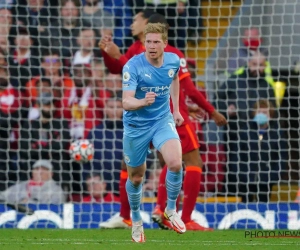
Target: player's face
[138,25]
[154,45]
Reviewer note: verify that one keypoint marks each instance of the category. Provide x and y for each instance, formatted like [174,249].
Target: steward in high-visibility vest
[278,87]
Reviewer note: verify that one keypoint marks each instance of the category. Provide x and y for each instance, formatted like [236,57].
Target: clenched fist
[149,98]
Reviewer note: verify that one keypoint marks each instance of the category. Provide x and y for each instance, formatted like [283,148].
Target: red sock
[162,191]
[124,206]
[191,187]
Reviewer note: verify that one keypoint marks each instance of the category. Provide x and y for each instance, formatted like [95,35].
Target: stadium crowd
[57,85]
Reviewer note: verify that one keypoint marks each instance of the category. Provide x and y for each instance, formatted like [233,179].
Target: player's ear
[165,43]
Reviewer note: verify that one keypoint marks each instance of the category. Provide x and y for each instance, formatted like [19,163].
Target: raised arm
[114,60]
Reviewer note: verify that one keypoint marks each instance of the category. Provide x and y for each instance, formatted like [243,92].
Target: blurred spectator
[45,137]
[36,15]
[6,4]
[97,17]
[175,13]
[261,154]
[43,85]
[107,140]
[86,42]
[113,82]
[251,44]
[4,46]
[195,23]
[10,113]
[96,188]
[235,99]
[64,33]
[51,68]
[41,188]
[151,186]
[122,13]
[106,84]
[98,72]
[23,60]
[7,31]
[3,61]
[82,108]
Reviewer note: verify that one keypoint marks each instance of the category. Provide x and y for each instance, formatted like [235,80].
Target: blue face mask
[261,119]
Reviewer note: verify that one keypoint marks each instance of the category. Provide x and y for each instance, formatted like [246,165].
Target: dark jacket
[46,15]
[45,141]
[260,157]
[243,91]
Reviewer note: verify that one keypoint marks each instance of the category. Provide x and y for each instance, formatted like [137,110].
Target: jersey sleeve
[183,70]
[177,67]
[130,77]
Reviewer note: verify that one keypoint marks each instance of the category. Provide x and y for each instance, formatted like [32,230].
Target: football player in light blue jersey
[148,81]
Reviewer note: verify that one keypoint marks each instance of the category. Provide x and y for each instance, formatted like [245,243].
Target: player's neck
[158,62]
[142,38]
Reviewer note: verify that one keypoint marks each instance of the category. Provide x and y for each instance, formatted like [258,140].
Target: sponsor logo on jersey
[159,90]
[148,75]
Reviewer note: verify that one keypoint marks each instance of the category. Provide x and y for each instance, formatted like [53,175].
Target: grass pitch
[90,239]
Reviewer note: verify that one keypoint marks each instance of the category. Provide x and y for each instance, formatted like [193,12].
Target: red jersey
[187,87]
[82,109]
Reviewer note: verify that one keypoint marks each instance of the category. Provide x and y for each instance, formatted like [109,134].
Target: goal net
[60,84]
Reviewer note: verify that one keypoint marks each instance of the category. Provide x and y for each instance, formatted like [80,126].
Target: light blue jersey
[152,124]
[139,75]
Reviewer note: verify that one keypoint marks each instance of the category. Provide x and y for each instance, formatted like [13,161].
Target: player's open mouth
[152,53]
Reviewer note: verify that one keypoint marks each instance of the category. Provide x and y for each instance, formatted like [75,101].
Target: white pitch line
[49,241]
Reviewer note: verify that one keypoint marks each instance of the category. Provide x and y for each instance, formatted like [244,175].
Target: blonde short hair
[159,28]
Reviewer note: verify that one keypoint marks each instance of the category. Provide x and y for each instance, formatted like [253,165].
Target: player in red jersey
[115,61]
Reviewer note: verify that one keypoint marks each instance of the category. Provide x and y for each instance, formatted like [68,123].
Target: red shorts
[188,137]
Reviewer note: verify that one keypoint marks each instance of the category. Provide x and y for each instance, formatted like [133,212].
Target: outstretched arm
[198,98]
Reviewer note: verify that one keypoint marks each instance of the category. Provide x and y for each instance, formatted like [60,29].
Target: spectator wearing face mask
[251,43]
[261,154]
[235,99]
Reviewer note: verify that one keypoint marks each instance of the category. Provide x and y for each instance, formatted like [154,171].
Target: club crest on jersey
[171,73]
[126,77]
[126,159]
